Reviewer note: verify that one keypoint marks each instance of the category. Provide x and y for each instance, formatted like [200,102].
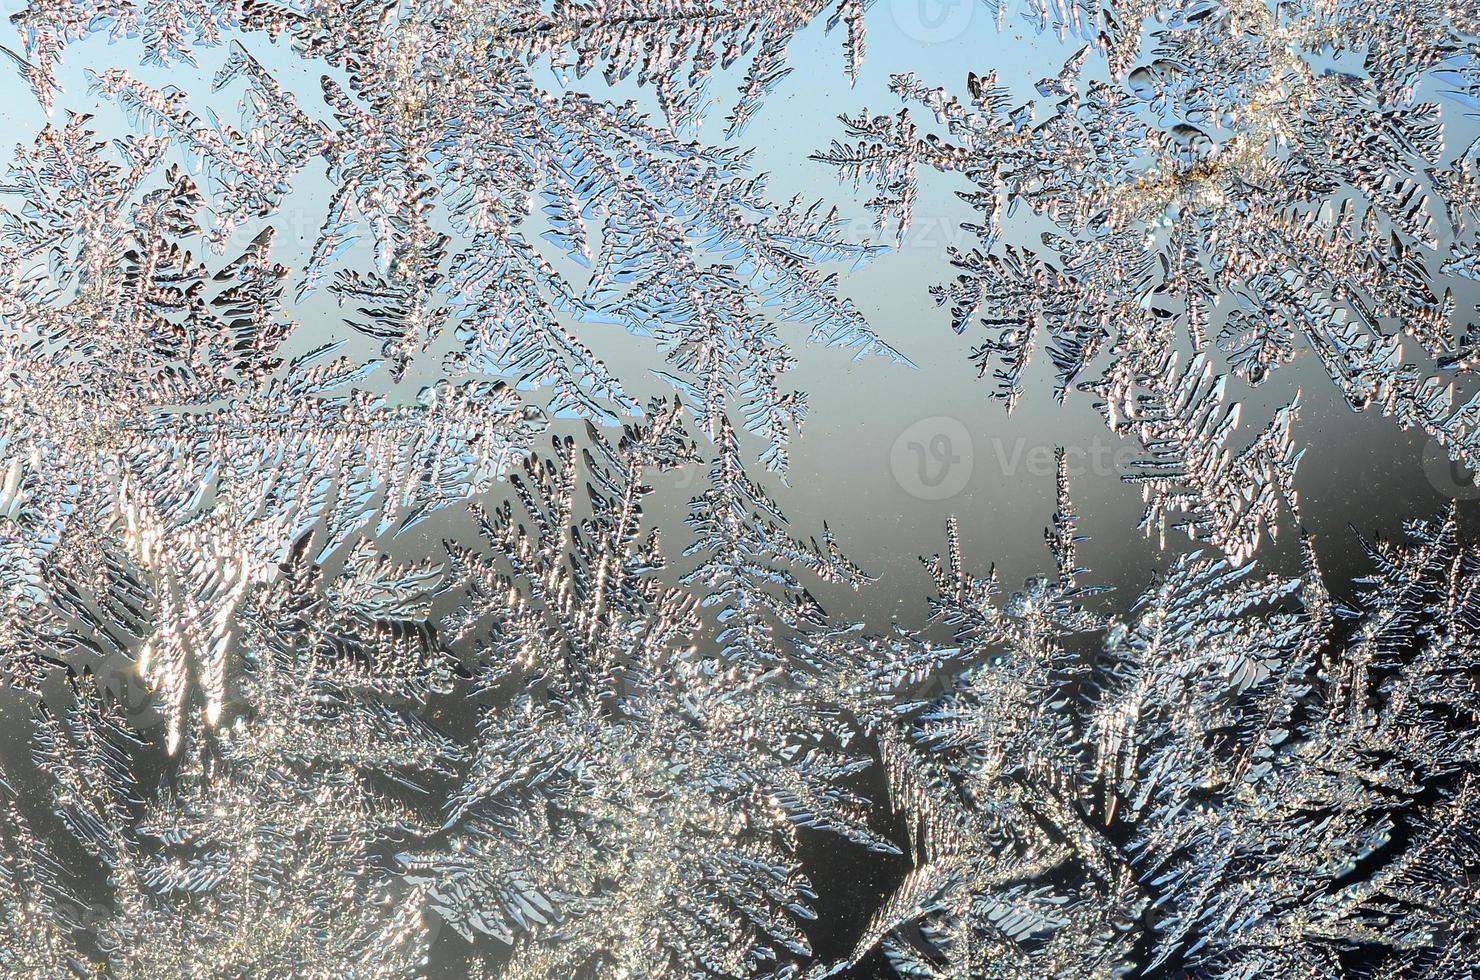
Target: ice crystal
[470,657]
[633,805]
[419,138]
[158,447]
[257,857]
[1249,175]
[1241,779]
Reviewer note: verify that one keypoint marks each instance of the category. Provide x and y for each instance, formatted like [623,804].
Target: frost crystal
[1241,176]
[465,632]
[1240,779]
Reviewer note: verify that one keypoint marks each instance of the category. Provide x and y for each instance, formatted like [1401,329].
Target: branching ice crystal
[1256,178]
[258,856]
[633,805]
[1242,779]
[161,456]
[505,670]
[420,137]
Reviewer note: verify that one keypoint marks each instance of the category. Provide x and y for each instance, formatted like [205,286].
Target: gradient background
[853,465]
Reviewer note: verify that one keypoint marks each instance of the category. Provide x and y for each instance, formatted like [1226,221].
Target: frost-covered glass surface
[670,489]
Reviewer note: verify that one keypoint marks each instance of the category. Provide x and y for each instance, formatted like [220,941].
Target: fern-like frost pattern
[367,614]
